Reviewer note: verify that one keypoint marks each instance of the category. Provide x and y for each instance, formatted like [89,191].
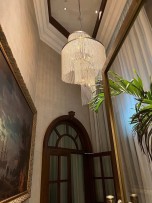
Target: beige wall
[18,21]
[53,98]
[41,70]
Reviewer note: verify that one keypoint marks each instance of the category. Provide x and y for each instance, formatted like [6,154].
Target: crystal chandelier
[82,59]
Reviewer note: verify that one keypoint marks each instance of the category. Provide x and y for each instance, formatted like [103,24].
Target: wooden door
[59,185]
[103,176]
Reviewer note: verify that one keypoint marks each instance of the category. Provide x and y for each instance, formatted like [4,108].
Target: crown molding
[48,33]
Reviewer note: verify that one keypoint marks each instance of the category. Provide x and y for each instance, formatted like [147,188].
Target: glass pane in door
[53,193]
[61,129]
[78,195]
[72,131]
[53,167]
[103,176]
[97,167]
[99,191]
[63,192]
[109,185]
[53,139]
[64,168]
[66,142]
[107,166]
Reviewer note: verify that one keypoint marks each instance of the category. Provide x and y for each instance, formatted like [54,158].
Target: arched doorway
[63,177]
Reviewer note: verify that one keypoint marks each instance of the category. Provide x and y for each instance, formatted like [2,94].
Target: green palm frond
[142,119]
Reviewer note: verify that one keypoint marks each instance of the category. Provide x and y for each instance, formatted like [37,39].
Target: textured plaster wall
[18,21]
[40,67]
[53,98]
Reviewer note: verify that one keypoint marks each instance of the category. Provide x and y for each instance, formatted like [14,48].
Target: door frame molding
[86,148]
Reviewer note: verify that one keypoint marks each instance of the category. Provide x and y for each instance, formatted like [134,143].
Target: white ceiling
[66,12]
[51,36]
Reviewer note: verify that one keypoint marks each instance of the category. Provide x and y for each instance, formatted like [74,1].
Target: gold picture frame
[22,164]
[130,17]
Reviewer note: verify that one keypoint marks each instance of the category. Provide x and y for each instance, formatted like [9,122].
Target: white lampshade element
[82,59]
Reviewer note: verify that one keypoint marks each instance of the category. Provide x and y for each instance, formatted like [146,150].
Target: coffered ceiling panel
[64,14]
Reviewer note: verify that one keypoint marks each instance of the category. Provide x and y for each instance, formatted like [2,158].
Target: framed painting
[17,130]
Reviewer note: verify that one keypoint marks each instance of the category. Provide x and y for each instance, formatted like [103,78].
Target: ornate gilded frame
[120,38]
[16,72]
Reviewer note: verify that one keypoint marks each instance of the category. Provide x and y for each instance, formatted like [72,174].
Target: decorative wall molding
[48,33]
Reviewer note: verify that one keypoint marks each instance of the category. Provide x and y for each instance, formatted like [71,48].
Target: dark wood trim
[65,135]
[57,132]
[59,27]
[54,150]
[48,151]
[55,23]
[59,178]
[88,179]
[75,123]
[103,178]
[56,181]
[67,128]
[103,182]
[69,177]
[65,32]
[98,21]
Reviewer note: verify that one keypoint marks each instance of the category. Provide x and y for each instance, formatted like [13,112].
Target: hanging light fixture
[82,58]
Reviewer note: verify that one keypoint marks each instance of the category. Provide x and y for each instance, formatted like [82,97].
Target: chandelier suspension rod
[80,15]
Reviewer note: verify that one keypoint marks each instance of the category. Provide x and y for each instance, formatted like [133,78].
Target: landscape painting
[16,122]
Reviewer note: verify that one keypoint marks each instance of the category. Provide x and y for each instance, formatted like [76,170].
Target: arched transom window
[64,135]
